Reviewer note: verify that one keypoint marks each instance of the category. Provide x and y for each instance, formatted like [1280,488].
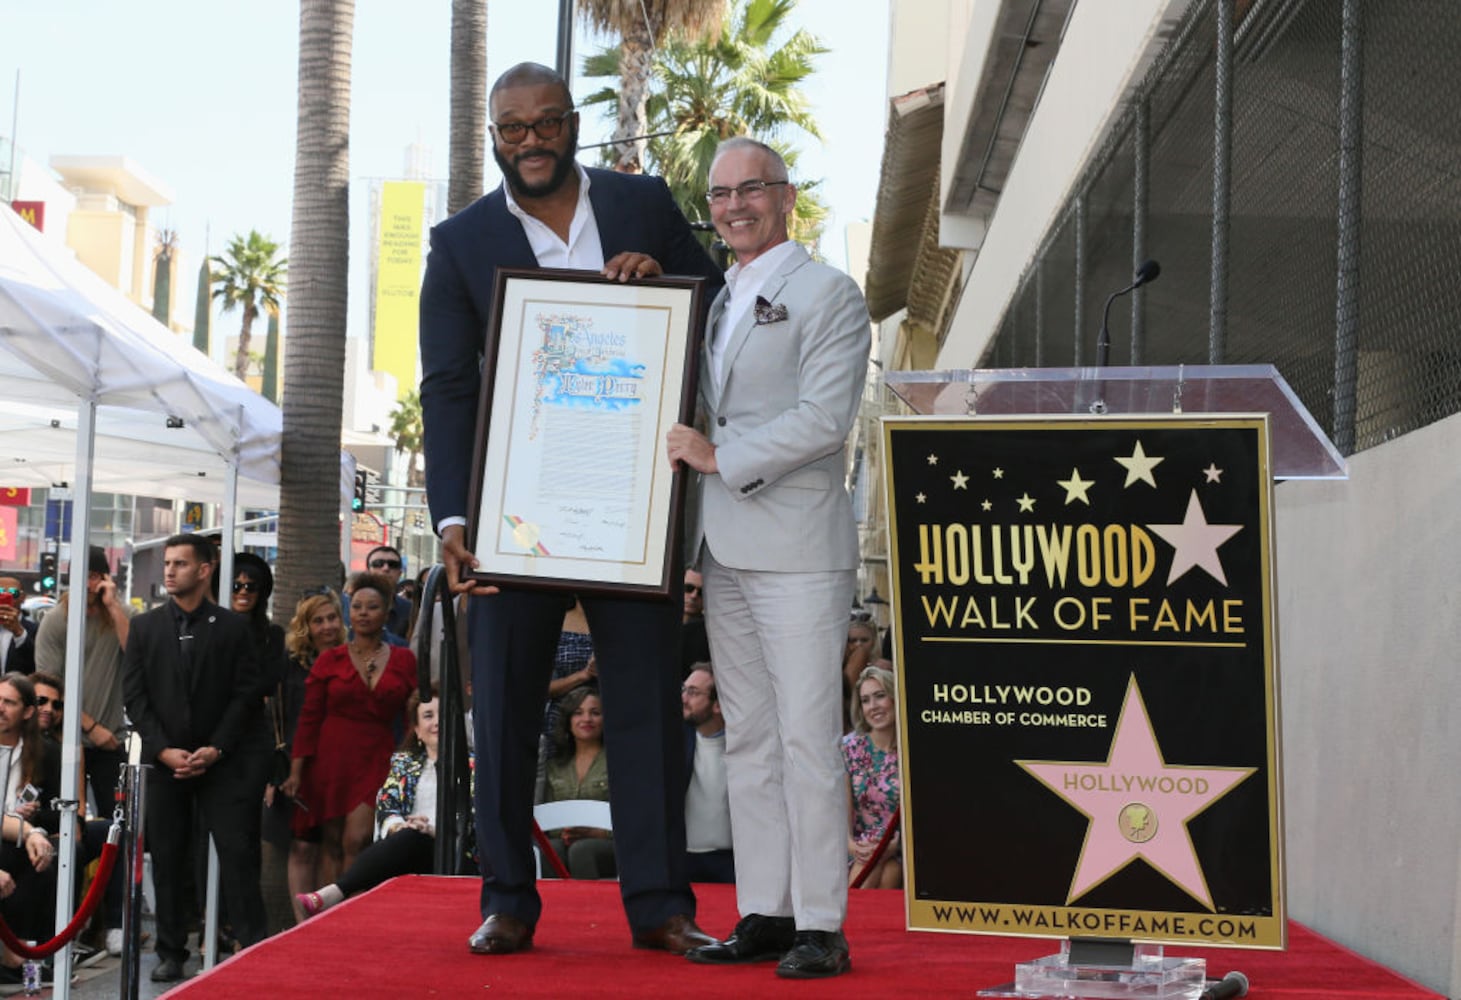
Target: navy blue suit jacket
[633,213]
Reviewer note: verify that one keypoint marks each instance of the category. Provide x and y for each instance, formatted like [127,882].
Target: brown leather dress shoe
[676,935]
[500,934]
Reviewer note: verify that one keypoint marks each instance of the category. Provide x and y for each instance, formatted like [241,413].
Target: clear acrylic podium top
[1300,448]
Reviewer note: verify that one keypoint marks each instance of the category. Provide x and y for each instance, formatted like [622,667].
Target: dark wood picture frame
[491,458]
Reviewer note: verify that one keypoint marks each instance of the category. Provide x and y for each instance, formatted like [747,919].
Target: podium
[1083,583]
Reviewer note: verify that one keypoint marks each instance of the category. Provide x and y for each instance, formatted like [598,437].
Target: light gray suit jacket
[779,421]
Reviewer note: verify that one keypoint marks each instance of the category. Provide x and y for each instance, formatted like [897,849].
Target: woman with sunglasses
[353,697]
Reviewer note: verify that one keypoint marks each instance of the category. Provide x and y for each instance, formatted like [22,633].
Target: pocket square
[766,312]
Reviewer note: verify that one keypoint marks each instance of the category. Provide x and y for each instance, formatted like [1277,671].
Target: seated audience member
[862,641]
[405,811]
[578,770]
[870,752]
[573,667]
[353,697]
[707,798]
[32,780]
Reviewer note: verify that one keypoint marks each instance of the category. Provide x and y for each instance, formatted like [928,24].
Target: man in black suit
[194,691]
[17,635]
[550,212]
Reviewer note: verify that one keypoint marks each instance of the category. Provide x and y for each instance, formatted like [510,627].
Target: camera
[28,794]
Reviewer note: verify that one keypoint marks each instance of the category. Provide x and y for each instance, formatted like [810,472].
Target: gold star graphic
[1076,487]
[960,481]
[1027,503]
[1213,473]
[1139,466]
[998,473]
[986,505]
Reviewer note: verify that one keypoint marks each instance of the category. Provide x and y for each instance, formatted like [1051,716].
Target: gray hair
[746,142]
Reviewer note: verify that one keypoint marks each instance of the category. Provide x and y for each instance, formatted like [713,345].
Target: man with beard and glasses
[551,212]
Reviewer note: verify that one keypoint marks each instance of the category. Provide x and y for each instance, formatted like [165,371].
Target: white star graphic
[932,459]
[1139,466]
[1027,503]
[986,505]
[1196,542]
[921,498]
[1213,473]
[961,481]
[998,473]
[1076,487]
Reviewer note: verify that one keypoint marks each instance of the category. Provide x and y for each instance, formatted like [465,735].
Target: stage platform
[408,938]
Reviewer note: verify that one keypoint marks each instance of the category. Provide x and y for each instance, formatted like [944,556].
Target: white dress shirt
[743,282]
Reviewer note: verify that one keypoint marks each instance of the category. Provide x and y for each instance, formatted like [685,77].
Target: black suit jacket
[219,703]
[633,213]
[22,658]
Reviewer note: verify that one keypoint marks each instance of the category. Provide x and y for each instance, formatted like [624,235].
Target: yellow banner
[398,281]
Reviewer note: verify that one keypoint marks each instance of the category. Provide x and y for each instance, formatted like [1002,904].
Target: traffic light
[358,503]
[48,573]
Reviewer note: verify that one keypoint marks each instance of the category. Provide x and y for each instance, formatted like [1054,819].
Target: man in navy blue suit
[551,212]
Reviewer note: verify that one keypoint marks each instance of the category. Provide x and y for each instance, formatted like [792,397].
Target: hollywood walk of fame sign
[1086,676]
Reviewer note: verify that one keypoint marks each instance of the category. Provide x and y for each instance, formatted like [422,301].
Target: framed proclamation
[1087,676]
[582,379]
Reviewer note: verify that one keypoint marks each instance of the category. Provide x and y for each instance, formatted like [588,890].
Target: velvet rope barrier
[546,848]
[882,848]
[88,907]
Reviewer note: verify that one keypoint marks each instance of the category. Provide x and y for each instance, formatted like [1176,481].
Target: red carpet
[408,939]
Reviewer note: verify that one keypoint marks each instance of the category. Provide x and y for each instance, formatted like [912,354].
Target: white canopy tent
[85,370]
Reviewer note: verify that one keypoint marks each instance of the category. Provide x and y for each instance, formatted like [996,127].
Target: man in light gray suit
[787,346]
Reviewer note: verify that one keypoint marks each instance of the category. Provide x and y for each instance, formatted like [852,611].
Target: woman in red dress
[353,696]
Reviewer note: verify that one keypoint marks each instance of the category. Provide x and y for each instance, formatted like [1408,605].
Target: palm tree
[641,25]
[744,81]
[468,103]
[406,432]
[250,276]
[314,365]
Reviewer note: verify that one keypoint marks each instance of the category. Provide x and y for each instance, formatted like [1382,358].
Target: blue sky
[201,94]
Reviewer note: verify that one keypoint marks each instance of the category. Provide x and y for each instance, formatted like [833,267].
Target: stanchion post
[134,809]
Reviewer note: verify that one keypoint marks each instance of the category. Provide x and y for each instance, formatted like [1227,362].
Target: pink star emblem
[1138,806]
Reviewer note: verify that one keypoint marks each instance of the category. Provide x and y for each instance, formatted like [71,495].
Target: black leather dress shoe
[500,934]
[816,955]
[169,970]
[676,935]
[755,939]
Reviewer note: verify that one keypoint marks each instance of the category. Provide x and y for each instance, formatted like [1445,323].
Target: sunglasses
[693,588]
[12,591]
[245,587]
[43,701]
[385,564]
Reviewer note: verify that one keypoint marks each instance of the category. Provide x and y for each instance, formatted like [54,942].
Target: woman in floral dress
[870,752]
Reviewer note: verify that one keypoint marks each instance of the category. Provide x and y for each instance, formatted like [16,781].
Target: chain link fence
[1343,238]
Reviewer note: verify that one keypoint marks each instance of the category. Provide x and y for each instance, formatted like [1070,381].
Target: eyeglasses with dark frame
[746,189]
[547,129]
[245,587]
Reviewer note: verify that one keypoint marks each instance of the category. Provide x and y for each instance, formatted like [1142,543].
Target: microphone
[1234,984]
[1148,272]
